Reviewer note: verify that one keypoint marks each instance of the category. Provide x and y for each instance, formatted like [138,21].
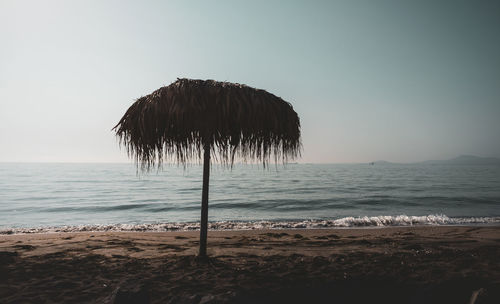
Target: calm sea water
[113,196]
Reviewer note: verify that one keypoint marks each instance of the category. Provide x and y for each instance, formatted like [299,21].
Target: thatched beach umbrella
[189,118]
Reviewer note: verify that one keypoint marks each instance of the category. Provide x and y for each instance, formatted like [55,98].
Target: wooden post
[204,203]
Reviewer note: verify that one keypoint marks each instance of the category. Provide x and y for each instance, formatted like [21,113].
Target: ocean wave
[346,222]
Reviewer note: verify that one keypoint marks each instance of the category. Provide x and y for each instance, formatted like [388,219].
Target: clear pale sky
[394,80]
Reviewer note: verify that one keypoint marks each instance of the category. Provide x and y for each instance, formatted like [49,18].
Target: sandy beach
[452,264]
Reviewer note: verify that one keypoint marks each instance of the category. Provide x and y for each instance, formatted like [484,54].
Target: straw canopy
[179,121]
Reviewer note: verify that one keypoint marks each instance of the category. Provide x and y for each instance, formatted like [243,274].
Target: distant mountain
[381,162]
[466,160]
[460,160]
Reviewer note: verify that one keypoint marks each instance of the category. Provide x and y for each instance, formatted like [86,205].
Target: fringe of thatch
[181,119]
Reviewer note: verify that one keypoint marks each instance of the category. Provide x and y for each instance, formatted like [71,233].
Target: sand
[387,265]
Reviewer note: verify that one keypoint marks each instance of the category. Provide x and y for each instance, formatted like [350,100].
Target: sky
[371,80]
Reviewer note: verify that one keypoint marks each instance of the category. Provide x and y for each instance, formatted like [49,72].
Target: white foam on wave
[346,222]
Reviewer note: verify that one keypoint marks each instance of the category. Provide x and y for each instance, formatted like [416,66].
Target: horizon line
[249,163]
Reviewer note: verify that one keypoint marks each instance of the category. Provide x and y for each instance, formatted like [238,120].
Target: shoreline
[380,221]
[60,229]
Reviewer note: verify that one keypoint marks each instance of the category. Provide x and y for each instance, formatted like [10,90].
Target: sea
[66,197]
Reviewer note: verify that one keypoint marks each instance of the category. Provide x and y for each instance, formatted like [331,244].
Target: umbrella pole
[204,203]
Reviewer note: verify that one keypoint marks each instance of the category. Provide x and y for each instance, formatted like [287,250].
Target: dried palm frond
[182,119]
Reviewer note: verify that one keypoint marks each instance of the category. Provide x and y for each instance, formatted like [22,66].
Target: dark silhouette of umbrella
[189,118]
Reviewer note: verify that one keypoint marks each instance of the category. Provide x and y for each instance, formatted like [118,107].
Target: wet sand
[387,265]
